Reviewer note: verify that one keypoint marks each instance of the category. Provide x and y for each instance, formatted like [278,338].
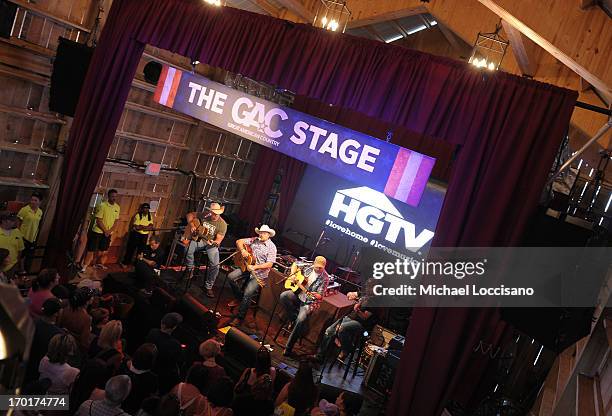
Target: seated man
[298,307]
[264,252]
[346,330]
[11,239]
[206,233]
[151,258]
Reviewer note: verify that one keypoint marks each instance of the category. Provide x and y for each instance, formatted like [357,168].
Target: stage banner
[398,172]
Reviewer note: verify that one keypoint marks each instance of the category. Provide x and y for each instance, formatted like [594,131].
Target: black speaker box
[240,352]
[196,315]
[8,11]
[555,328]
[69,70]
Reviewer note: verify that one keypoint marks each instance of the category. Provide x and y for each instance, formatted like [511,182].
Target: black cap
[52,306]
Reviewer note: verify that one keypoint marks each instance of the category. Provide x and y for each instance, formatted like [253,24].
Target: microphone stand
[314,250]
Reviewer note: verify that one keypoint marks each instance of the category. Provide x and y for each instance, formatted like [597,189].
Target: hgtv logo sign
[369,216]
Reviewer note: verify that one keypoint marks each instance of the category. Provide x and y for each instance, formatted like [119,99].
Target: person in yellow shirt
[140,228]
[11,239]
[30,216]
[104,225]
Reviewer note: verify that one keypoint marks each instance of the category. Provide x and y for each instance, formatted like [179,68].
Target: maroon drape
[262,176]
[508,127]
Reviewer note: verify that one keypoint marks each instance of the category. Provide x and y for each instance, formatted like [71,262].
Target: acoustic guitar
[295,281]
[243,262]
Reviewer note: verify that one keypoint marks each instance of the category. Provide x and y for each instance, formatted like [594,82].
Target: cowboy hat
[265,229]
[216,208]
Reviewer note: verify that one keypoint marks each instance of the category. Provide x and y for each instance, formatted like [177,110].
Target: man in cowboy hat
[298,307]
[209,236]
[264,251]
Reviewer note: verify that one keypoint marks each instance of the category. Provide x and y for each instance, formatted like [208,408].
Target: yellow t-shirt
[12,241]
[143,221]
[30,221]
[108,213]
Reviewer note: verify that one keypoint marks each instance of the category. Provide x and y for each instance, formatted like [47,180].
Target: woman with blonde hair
[54,365]
[108,346]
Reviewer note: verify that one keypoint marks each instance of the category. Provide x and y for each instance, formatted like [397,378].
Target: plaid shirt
[264,252]
[319,286]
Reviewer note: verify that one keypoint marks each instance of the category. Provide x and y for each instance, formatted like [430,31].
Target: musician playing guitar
[261,252]
[299,306]
[206,233]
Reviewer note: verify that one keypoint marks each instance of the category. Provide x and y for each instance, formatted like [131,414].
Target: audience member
[108,346]
[209,350]
[89,384]
[116,390]
[170,352]
[258,401]
[347,404]
[76,319]
[41,290]
[263,365]
[220,397]
[11,239]
[190,394]
[5,259]
[151,257]
[99,318]
[44,329]
[54,366]
[144,381]
[61,292]
[301,393]
[168,406]
[148,406]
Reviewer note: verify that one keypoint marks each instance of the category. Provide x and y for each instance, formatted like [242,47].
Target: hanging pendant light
[332,15]
[489,50]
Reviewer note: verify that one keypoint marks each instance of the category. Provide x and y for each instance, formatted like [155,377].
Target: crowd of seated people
[79,349]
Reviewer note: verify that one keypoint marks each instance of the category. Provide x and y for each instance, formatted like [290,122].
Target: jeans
[347,333]
[295,311]
[213,260]
[251,288]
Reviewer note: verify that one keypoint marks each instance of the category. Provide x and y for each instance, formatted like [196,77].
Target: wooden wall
[32,138]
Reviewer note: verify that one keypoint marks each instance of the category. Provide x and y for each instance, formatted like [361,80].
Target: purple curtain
[262,177]
[508,128]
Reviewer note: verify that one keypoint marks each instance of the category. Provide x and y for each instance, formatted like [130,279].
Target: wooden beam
[451,38]
[298,8]
[399,28]
[585,4]
[49,118]
[18,73]
[32,7]
[549,47]
[267,7]
[524,59]
[383,17]
[374,33]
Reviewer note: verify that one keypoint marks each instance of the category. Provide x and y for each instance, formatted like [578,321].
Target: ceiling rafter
[524,57]
[383,17]
[298,8]
[568,61]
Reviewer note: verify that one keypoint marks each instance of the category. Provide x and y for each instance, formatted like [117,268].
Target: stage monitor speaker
[554,328]
[196,315]
[69,70]
[241,347]
[380,373]
[8,11]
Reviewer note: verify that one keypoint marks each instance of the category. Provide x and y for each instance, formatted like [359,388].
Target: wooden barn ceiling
[561,42]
